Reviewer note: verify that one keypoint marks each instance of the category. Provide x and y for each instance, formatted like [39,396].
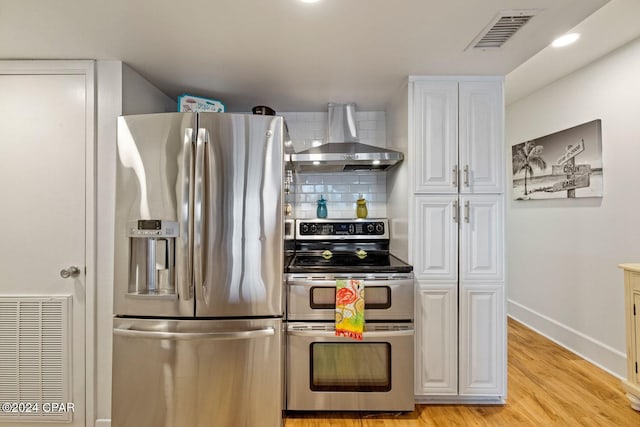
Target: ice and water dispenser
[152,250]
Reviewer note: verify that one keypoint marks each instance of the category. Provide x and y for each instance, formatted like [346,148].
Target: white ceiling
[610,27]
[283,53]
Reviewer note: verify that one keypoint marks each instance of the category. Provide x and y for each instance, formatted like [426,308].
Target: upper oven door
[386,297]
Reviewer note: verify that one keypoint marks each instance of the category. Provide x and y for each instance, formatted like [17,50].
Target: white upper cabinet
[457,132]
[480,137]
[435,107]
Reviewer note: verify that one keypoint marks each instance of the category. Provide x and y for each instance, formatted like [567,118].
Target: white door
[44,122]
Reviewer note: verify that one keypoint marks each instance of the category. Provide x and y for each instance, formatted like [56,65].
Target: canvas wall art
[565,164]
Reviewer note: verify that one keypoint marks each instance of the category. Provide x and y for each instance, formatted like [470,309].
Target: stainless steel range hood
[343,152]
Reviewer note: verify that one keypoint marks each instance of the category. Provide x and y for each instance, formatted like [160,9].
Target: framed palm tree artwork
[564,164]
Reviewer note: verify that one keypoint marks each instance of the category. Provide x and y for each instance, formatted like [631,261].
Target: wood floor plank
[547,386]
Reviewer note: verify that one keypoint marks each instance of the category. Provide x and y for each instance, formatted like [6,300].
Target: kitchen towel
[350,308]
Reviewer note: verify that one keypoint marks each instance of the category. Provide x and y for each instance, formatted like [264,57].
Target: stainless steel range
[326,372]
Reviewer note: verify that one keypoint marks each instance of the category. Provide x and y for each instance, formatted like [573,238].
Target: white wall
[398,182]
[139,96]
[120,89]
[109,106]
[563,254]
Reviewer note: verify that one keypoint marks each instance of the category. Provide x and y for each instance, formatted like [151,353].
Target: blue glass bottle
[321,211]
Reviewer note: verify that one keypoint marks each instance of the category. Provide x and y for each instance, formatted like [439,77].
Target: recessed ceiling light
[309,1]
[565,40]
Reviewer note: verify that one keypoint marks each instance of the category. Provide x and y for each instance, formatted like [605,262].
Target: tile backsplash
[341,190]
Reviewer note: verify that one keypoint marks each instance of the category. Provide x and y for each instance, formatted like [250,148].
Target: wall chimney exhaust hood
[343,152]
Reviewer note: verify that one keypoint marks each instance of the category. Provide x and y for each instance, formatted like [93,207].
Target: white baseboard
[103,423]
[600,354]
[458,400]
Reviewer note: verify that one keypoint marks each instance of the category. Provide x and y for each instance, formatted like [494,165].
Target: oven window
[360,367]
[375,297]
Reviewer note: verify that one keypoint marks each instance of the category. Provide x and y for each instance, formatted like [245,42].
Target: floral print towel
[350,308]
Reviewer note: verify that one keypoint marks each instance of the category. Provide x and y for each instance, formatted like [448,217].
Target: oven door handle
[369,334]
[309,283]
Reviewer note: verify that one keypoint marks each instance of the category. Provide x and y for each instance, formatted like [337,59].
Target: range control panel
[342,229]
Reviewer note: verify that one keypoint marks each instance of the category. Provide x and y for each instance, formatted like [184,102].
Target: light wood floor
[547,386]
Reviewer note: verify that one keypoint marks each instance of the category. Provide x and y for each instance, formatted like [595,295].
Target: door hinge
[636,367]
[634,309]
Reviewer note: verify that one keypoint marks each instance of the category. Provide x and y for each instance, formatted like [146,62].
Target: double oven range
[326,372]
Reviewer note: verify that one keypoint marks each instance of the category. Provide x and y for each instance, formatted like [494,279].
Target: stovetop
[346,262]
[342,245]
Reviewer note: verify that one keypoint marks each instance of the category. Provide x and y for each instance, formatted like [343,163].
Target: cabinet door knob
[466,175]
[455,176]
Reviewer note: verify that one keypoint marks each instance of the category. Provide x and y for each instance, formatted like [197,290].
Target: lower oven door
[325,372]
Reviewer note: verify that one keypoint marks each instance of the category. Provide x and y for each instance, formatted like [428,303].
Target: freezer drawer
[175,373]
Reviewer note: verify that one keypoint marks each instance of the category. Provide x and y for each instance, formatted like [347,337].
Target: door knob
[72,271]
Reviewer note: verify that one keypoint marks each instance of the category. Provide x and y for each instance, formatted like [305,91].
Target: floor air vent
[34,356]
[501,28]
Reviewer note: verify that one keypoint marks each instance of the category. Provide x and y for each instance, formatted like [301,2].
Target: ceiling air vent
[504,25]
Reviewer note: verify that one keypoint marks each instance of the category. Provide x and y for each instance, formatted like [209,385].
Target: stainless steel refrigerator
[198,294]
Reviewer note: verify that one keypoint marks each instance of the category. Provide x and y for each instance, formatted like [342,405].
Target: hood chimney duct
[343,152]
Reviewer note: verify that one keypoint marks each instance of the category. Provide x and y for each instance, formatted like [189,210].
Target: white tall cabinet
[456,146]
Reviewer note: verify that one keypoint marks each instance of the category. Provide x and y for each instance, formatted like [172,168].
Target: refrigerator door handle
[185,212]
[198,212]
[186,336]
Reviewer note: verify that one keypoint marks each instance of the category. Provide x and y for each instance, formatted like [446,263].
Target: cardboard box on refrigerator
[190,104]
